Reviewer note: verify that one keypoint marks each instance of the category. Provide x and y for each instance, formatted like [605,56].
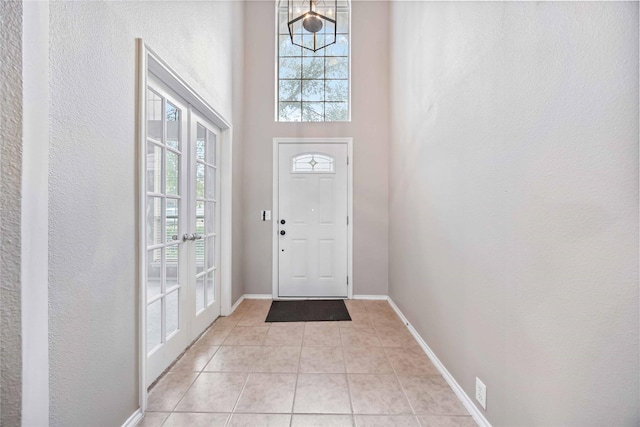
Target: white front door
[313,209]
[182,241]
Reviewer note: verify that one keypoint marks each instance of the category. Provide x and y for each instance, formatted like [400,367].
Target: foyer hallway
[245,372]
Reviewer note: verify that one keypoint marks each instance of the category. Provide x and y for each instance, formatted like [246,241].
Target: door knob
[282,221]
[282,232]
[193,236]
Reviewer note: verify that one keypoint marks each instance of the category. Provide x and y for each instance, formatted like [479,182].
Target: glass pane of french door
[163,217]
[205,208]
[167,129]
[206,174]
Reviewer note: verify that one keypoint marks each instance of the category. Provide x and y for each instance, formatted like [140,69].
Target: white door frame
[276,202]
[150,62]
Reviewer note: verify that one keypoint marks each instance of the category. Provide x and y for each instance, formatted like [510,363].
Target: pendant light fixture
[312,23]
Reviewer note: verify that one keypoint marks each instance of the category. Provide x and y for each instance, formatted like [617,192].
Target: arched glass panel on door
[313,163]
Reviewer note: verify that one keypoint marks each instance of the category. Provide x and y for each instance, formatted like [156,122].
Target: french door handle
[193,236]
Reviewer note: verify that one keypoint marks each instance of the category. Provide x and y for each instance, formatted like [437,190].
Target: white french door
[312,220]
[182,241]
[205,213]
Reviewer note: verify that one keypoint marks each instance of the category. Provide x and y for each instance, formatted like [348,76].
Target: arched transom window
[312,163]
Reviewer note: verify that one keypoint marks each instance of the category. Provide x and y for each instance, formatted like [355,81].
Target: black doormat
[308,311]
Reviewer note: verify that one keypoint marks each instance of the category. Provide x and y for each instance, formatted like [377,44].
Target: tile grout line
[346,374]
[246,380]
[295,387]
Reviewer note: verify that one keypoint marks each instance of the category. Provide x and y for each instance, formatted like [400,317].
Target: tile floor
[245,372]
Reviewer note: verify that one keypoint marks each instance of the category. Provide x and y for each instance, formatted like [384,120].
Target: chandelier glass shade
[312,23]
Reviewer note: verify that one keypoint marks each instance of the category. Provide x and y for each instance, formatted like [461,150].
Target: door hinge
[347,280]
[347,220]
[347,159]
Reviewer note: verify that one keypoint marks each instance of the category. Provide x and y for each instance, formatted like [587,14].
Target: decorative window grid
[314,86]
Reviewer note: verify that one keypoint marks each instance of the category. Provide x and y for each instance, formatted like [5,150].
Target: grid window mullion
[313,86]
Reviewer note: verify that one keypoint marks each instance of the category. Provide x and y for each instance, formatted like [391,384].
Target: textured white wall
[10,212]
[93,222]
[238,154]
[514,201]
[369,128]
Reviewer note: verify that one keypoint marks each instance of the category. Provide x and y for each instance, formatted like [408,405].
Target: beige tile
[235,358]
[259,306]
[260,420]
[153,419]
[254,317]
[321,333]
[278,359]
[265,304]
[195,359]
[431,395]
[410,361]
[240,309]
[316,359]
[287,324]
[366,360]
[169,390]
[267,393]
[214,336]
[355,306]
[236,315]
[182,419]
[318,420]
[361,337]
[213,392]
[377,394]
[247,335]
[439,421]
[357,324]
[383,320]
[378,306]
[322,394]
[245,304]
[227,321]
[359,319]
[285,334]
[359,315]
[386,421]
[391,336]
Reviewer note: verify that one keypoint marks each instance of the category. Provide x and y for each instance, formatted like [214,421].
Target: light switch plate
[265,215]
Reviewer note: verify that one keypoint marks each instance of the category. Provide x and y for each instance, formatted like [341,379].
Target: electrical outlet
[481,393]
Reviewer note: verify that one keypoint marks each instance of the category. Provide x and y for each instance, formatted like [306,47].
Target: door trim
[149,62]
[276,201]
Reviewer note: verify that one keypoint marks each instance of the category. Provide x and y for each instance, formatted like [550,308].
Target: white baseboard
[376,297]
[257,296]
[248,296]
[236,305]
[464,398]
[133,419]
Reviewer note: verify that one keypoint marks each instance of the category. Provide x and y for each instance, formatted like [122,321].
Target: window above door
[314,86]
